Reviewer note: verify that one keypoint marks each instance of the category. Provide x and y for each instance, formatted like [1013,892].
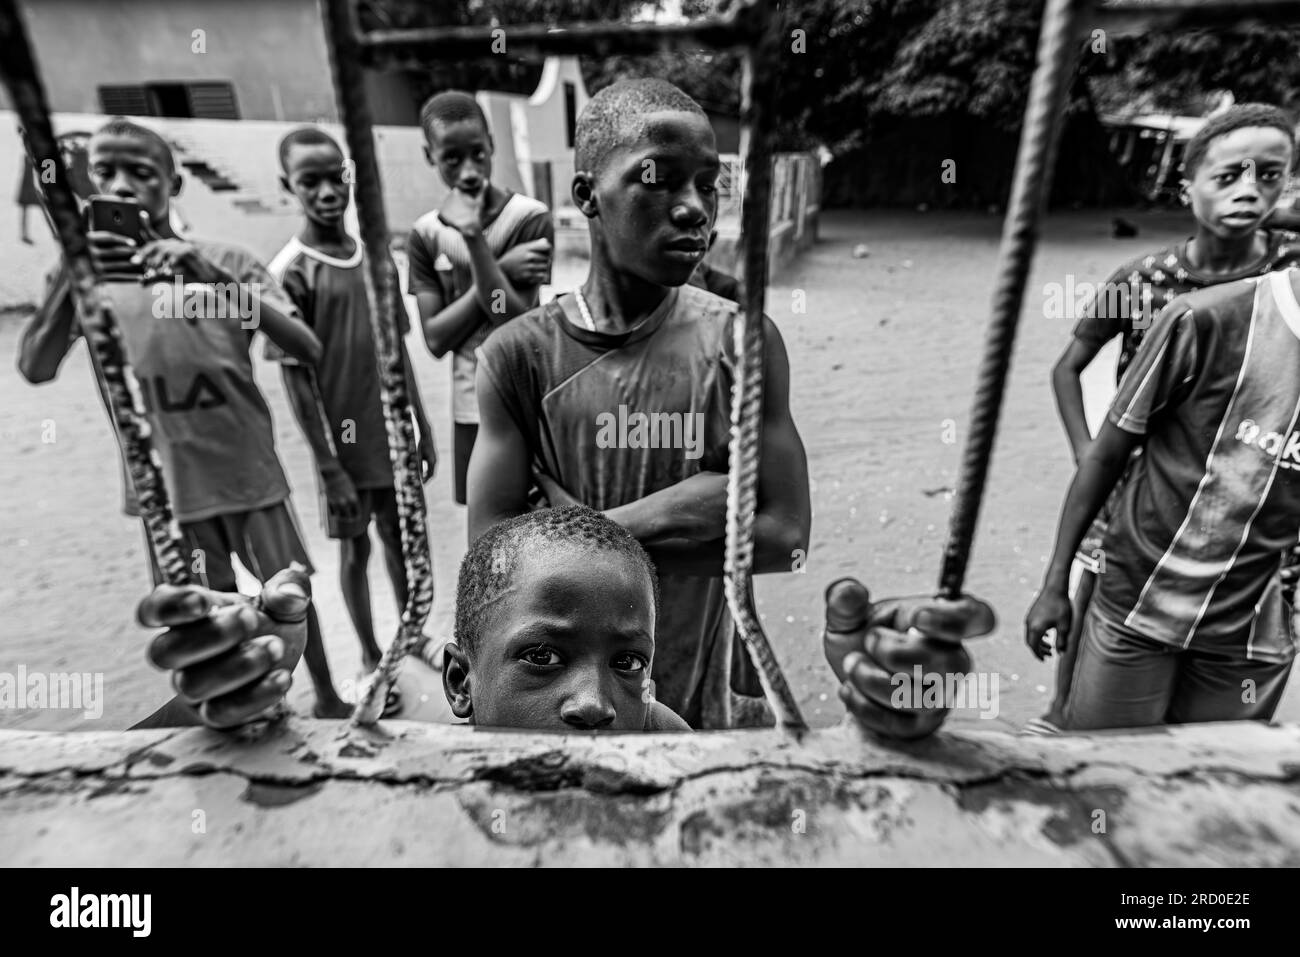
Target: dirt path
[883,365]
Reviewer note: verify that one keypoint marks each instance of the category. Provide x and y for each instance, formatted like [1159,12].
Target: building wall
[272,52]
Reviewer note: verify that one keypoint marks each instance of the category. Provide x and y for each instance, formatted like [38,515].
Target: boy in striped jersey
[1188,623]
[337,401]
[1236,169]
[477,261]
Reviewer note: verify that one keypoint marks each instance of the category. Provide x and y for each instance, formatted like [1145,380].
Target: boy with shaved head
[618,396]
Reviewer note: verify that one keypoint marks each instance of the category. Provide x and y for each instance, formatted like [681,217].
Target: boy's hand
[163,258]
[340,494]
[1050,610]
[867,643]
[528,263]
[428,460]
[230,659]
[463,212]
[112,254]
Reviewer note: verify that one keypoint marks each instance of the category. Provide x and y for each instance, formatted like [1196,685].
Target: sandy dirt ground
[883,362]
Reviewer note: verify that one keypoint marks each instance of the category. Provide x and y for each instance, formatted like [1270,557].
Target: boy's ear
[456,680]
[584,194]
[284,183]
[178,183]
[428,155]
[1184,196]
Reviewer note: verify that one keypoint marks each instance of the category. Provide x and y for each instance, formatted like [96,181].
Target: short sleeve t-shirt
[614,418]
[330,293]
[189,348]
[1195,542]
[1129,300]
[439,262]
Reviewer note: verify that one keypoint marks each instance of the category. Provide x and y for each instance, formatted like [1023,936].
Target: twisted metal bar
[1037,152]
[747,391]
[107,357]
[341,39]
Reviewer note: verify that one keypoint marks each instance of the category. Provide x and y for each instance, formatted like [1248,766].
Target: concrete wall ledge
[311,793]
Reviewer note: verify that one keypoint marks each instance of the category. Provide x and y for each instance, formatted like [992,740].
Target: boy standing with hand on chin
[477,261]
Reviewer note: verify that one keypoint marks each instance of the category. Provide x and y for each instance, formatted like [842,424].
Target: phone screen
[118,216]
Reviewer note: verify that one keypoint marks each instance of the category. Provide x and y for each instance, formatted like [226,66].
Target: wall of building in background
[271,54]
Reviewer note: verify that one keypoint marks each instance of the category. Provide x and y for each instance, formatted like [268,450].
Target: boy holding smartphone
[211,425]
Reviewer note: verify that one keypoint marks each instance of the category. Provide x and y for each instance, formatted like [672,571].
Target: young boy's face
[462,153]
[1239,180]
[315,177]
[568,647]
[656,199]
[130,167]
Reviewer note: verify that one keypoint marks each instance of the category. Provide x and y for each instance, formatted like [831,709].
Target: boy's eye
[628,661]
[543,656]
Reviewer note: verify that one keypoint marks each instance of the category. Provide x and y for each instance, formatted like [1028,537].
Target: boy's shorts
[1123,679]
[266,540]
[379,504]
[463,435]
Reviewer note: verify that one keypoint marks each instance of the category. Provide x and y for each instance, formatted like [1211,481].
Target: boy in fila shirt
[477,261]
[1236,169]
[556,384]
[337,402]
[211,425]
[1188,623]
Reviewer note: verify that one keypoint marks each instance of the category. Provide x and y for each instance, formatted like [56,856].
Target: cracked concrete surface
[311,793]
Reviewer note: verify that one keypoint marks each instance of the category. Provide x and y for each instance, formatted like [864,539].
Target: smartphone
[113,215]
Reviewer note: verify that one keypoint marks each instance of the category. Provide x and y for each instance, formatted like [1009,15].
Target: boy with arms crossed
[636,340]
[476,262]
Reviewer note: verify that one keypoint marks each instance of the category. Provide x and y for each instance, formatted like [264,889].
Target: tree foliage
[868,71]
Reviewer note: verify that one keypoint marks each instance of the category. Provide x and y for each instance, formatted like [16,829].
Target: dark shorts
[379,504]
[462,444]
[1125,680]
[266,540]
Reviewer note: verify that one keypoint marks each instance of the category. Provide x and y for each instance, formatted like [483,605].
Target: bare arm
[1099,470]
[304,398]
[500,472]
[1078,356]
[497,297]
[291,334]
[446,327]
[47,337]
[695,510]
[413,391]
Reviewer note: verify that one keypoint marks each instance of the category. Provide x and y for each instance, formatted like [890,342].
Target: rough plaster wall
[413,794]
